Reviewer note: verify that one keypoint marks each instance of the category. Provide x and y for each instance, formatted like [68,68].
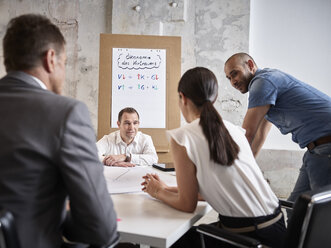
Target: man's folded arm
[148,155]
[102,145]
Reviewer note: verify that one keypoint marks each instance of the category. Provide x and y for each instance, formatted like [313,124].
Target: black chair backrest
[8,234]
[310,223]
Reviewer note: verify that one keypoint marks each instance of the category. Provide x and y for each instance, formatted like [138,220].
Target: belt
[253,228]
[319,141]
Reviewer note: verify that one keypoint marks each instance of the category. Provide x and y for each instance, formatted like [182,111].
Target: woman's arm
[186,197]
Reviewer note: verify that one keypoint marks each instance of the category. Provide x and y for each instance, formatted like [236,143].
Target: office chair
[309,226]
[8,235]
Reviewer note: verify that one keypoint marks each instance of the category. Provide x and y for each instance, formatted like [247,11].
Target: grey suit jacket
[48,153]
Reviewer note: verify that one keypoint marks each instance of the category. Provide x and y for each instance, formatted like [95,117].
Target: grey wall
[81,23]
[211,31]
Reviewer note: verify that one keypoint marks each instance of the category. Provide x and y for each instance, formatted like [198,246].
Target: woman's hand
[184,197]
[152,184]
[163,185]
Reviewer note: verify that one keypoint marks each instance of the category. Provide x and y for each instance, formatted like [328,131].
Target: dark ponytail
[200,86]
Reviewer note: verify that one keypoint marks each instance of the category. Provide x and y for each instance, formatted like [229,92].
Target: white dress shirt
[141,149]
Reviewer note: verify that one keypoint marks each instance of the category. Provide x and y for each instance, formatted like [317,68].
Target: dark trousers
[315,172]
[272,236]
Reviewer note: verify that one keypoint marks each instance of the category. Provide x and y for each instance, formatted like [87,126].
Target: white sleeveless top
[239,190]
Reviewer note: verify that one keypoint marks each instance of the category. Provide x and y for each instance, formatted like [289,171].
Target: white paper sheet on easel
[139,81]
[128,179]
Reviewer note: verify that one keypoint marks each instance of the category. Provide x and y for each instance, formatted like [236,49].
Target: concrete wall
[211,31]
[81,23]
[281,169]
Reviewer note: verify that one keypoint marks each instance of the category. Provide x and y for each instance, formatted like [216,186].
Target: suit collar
[24,78]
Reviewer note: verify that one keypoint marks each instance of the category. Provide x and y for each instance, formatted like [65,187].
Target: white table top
[145,220]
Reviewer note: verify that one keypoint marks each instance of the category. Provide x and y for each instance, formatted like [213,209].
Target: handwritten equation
[143,82]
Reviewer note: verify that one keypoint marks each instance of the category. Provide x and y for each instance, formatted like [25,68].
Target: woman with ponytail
[213,160]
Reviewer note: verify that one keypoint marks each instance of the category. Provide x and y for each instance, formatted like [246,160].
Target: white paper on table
[128,179]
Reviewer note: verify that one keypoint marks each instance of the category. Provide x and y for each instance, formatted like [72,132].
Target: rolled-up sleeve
[103,147]
[262,92]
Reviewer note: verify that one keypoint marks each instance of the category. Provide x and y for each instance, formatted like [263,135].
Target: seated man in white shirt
[127,147]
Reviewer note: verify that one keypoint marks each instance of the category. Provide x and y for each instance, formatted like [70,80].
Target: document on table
[128,179]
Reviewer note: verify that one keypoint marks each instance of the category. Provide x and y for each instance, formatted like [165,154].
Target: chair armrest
[8,228]
[286,204]
[228,237]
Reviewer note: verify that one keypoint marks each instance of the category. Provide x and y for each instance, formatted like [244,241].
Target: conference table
[145,220]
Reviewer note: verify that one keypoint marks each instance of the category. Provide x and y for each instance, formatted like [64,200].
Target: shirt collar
[42,85]
[119,140]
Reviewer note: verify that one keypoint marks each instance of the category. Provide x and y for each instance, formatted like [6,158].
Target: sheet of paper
[139,81]
[128,179]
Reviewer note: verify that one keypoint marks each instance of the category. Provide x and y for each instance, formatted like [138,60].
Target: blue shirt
[296,107]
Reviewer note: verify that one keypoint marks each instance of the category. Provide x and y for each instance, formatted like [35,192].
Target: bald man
[293,107]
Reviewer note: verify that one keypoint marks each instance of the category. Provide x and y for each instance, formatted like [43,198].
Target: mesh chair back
[317,224]
[310,223]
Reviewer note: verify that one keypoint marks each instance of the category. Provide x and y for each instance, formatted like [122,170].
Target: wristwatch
[128,158]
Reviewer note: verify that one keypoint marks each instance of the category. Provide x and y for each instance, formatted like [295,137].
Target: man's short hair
[27,39]
[241,57]
[126,110]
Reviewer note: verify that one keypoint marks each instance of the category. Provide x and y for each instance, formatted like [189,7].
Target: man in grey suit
[47,145]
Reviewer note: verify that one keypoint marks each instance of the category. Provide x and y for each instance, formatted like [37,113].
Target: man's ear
[251,65]
[118,124]
[49,60]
